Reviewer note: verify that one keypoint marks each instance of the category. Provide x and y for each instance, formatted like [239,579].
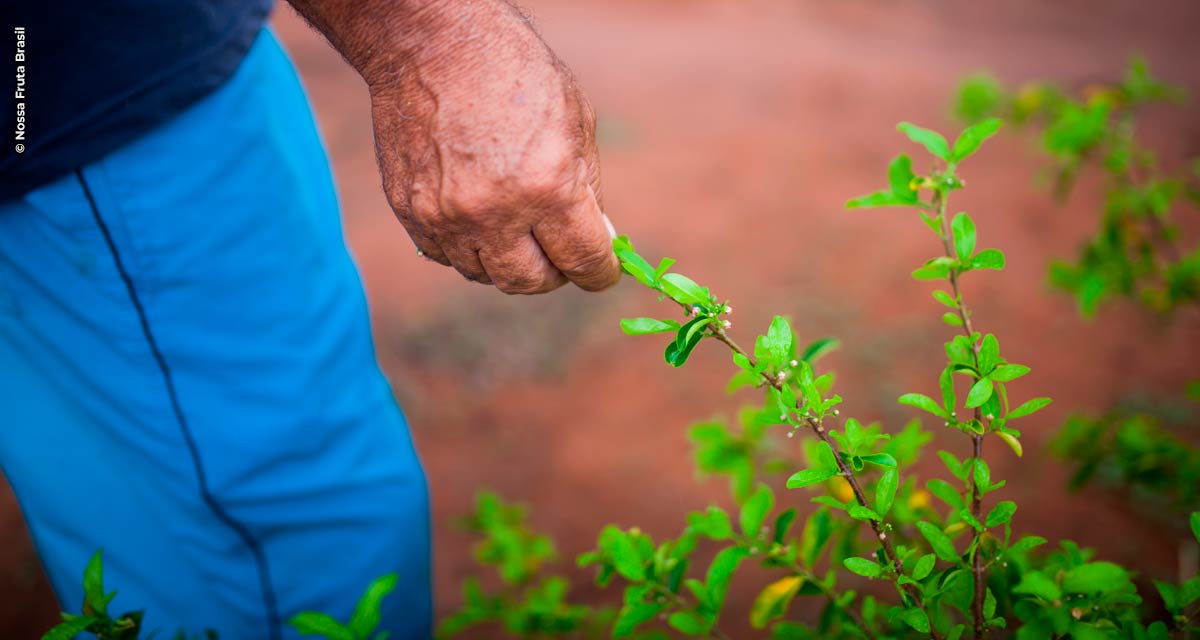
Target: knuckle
[592,264]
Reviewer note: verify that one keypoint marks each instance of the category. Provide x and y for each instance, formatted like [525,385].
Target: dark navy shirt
[98,73]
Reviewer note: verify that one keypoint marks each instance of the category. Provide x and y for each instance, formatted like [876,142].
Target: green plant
[1138,251]
[363,622]
[527,605]
[95,618]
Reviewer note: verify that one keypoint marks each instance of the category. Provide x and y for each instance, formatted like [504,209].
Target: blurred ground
[731,135]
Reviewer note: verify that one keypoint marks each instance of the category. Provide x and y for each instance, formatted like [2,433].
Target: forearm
[382,38]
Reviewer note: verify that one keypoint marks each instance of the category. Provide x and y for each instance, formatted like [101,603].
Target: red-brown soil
[731,135]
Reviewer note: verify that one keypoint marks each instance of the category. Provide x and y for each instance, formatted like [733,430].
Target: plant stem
[817,428]
[939,201]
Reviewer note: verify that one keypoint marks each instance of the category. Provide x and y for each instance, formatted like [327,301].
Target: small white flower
[791,434]
[882,536]
[836,412]
[794,363]
[991,416]
[728,309]
[728,324]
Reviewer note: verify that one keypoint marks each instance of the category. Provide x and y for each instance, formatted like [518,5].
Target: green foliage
[1138,250]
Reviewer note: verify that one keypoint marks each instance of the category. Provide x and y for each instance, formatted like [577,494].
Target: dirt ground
[731,135]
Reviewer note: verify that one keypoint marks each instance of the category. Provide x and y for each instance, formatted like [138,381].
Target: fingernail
[612,231]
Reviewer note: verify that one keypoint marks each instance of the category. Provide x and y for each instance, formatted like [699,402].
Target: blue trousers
[188,380]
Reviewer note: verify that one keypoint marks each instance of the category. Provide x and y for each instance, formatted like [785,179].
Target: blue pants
[188,380]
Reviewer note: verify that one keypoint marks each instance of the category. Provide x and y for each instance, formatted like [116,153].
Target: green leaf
[916,618]
[924,566]
[772,602]
[643,326]
[366,614]
[952,319]
[938,541]
[981,391]
[1002,513]
[683,290]
[676,356]
[687,622]
[783,522]
[809,477]
[1038,584]
[969,140]
[877,199]
[880,459]
[713,523]
[885,491]
[818,348]
[863,567]
[935,269]
[923,402]
[633,615]
[663,265]
[988,259]
[756,509]
[1008,372]
[989,354]
[621,549]
[779,341]
[95,600]
[68,629]
[632,263]
[900,176]
[720,572]
[946,383]
[1033,406]
[931,140]
[1095,577]
[321,624]
[964,236]
[691,331]
[1194,519]
[859,512]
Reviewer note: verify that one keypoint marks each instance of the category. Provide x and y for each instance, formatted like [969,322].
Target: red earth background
[731,134]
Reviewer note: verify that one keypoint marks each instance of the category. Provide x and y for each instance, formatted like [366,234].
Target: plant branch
[847,473]
[977,567]
[678,601]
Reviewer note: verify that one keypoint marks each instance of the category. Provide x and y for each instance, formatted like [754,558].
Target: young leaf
[980,392]
[1194,520]
[779,340]
[687,622]
[988,259]
[916,618]
[931,140]
[924,566]
[938,541]
[756,509]
[923,402]
[1002,513]
[1008,372]
[989,354]
[885,491]
[964,236]
[877,199]
[321,624]
[683,289]
[366,613]
[720,572]
[881,459]
[643,326]
[818,348]
[663,265]
[94,599]
[1095,577]
[969,140]
[1033,406]
[900,175]
[1038,584]
[809,477]
[621,549]
[859,512]
[69,629]
[863,567]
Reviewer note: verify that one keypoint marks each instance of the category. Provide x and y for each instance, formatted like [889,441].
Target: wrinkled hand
[487,149]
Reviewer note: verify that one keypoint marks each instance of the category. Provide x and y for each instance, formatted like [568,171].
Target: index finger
[578,244]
